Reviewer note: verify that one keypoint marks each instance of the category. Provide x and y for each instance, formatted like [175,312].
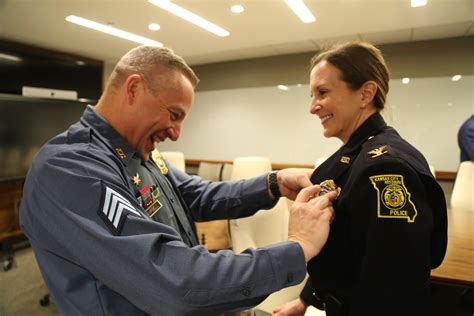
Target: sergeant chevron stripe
[112,207]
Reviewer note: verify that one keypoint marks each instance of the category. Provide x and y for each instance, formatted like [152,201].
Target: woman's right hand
[293,308]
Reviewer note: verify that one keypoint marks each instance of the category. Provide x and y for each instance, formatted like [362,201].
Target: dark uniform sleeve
[393,225]
[91,233]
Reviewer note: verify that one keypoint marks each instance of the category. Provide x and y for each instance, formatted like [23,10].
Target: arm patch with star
[114,208]
[393,198]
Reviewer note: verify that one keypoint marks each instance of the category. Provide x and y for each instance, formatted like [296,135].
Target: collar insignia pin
[120,152]
[345,159]
[377,151]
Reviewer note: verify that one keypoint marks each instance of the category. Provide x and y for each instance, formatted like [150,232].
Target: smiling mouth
[325,118]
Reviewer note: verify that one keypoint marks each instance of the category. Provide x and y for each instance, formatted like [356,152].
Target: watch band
[273,184]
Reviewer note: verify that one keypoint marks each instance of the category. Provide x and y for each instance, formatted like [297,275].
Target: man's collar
[108,134]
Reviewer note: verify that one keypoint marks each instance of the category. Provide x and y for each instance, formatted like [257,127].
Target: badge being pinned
[393,198]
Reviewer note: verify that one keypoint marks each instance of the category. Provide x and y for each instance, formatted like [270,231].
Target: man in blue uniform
[113,232]
[466,139]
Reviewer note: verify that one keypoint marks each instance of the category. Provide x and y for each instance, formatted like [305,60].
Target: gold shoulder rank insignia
[377,151]
[156,156]
[120,152]
[393,198]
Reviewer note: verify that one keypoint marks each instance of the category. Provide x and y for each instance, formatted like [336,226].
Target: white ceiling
[265,28]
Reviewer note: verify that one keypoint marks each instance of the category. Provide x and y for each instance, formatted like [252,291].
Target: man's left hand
[292,180]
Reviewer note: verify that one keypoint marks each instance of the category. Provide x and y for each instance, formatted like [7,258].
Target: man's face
[159,116]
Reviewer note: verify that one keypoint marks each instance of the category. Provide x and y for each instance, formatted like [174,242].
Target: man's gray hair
[150,62]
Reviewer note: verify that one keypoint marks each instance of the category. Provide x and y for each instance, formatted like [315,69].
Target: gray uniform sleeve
[222,200]
[147,263]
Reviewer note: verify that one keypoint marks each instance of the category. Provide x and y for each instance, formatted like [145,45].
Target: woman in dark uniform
[390,227]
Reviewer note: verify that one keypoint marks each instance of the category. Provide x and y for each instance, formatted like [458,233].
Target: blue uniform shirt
[101,253]
[466,140]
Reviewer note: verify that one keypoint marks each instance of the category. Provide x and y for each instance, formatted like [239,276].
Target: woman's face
[338,106]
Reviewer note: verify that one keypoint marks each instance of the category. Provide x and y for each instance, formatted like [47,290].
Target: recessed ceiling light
[456,77]
[112,31]
[282,87]
[237,8]
[190,17]
[406,80]
[301,10]
[10,57]
[418,3]
[154,26]
[80,62]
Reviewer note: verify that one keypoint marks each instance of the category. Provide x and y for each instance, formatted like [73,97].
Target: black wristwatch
[273,184]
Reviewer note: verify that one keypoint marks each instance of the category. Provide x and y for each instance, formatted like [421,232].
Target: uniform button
[172,200]
[289,277]
[246,291]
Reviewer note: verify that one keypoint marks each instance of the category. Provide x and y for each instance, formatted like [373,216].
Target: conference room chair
[319,161]
[226,173]
[264,228]
[210,171]
[175,158]
[463,190]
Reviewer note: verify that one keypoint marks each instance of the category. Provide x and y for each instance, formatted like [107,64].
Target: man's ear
[133,86]
[368,90]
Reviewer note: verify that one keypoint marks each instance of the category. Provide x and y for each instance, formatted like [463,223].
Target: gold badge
[136,179]
[156,156]
[393,198]
[378,151]
[345,159]
[120,152]
[328,186]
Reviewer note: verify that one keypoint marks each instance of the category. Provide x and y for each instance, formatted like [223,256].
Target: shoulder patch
[114,208]
[393,198]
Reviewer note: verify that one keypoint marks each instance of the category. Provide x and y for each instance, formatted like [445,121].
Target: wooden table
[458,265]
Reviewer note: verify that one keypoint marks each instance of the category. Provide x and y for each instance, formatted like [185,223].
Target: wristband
[273,184]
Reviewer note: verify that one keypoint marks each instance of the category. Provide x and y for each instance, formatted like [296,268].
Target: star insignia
[136,179]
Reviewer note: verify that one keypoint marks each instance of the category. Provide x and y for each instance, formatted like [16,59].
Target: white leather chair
[226,171]
[264,228]
[319,161]
[209,171]
[176,158]
[433,171]
[463,190]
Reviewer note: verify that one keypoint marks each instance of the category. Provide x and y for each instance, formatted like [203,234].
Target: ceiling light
[189,16]
[112,31]
[406,80]
[10,57]
[282,87]
[456,77]
[301,10]
[418,3]
[299,85]
[237,8]
[154,26]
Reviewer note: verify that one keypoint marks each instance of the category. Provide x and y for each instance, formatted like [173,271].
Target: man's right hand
[310,218]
